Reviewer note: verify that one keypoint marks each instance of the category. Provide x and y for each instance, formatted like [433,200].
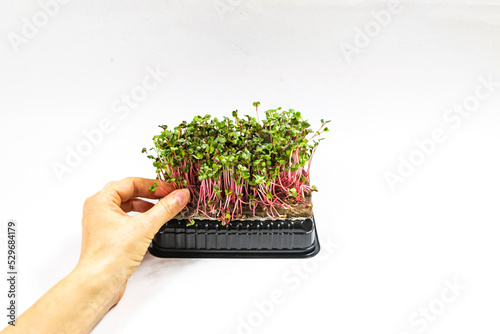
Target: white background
[396,249]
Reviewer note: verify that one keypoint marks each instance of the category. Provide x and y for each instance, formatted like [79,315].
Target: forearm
[113,246]
[74,305]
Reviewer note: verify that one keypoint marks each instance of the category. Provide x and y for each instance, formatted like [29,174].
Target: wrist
[104,283]
[75,304]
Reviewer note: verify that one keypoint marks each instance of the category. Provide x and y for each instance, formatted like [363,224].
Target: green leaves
[233,160]
[153,187]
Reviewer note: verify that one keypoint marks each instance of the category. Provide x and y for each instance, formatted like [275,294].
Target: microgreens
[234,162]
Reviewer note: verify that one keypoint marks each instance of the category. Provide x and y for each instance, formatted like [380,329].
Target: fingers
[137,205]
[131,187]
[167,208]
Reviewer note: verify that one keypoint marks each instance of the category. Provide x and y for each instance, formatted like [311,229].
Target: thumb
[167,208]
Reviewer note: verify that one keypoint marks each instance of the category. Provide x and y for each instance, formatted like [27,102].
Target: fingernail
[182,196]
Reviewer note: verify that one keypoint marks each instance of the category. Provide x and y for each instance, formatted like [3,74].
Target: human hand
[115,243]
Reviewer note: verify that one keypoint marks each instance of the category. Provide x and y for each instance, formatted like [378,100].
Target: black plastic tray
[238,239]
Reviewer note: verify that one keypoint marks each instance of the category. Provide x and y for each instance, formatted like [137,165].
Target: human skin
[113,246]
